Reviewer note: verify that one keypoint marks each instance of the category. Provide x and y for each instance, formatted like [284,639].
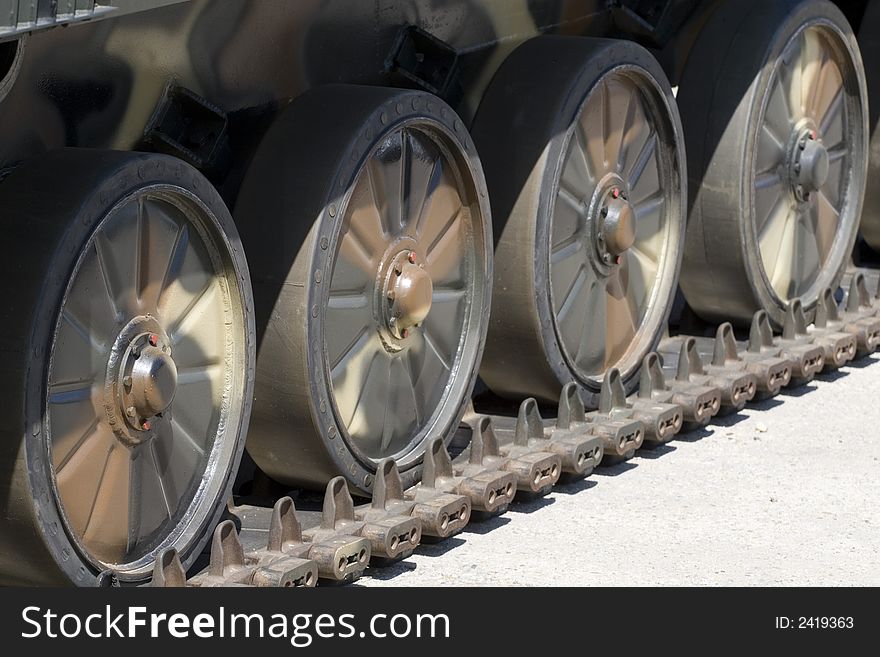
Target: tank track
[497,460]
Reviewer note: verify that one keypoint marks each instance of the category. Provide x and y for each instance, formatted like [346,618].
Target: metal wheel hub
[141,362]
[616,223]
[810,163]
[408,292]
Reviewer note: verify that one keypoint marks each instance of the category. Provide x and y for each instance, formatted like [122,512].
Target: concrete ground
[785,493]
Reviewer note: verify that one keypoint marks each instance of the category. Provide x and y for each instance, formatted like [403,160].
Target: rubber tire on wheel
[722,95]
[53,209]
[869,41]
[316,393]
[524,129]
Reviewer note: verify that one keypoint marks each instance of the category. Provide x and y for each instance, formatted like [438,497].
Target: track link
[687,382]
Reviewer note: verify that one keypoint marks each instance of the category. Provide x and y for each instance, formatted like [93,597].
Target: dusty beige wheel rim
[803,166]
[145,379]
[612,222]
[399,327]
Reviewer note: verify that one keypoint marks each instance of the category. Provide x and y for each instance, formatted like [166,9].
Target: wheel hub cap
[410,292]
[811,165]
[619,224]
[151,383]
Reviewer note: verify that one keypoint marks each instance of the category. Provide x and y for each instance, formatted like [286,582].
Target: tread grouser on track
[433,199]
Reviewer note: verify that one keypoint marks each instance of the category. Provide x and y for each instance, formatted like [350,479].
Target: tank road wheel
[773,102]
[869,40]
[128,349]
[582,148]
[366,220]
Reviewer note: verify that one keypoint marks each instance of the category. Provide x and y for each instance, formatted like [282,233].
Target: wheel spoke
[793,75]
[402,417]
[424,171]
[637,130]
[621,323]
[644,178]
[778,116]
[176,260]
[348,319]
[781,231]
[827,221]
[79,478]
[568,218]
[829,95]
[836,154]
[107,529]
[90,307]
[196,410]
[350,374]
[442,327]
[592,122]
[444,259]
[650,226]
[83,330]
[387,172]
[115,289]
[813,59]
[77,355]
[771,152]
[364,228]
[565,266]
[832,189]
[787,74]
[352,349]
[642,272]
[70,431]
[188,277]
[807,259]
[443,206]
[118,248]
[370,408]
[592,329]
[356,266]
[768,192]
[574,318]
[200,335]
[831,124]
[150,507]
[772,232]
[576,175]
[428,372]
[180,460]
[619,98]
[160,238]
